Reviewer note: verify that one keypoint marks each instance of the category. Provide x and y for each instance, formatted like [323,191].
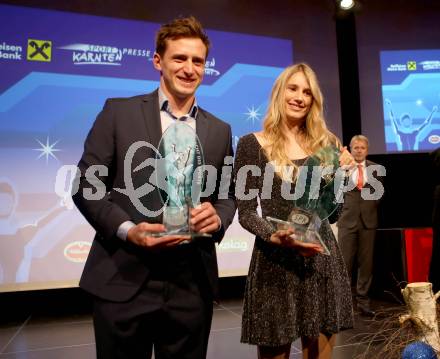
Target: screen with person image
[58,68]
[411,99]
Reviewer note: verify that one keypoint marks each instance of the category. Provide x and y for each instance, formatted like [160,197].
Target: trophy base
[191,235]
[304,235]
[176,222]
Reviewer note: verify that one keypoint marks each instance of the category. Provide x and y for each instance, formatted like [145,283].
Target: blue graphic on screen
[53,85]
[411,99]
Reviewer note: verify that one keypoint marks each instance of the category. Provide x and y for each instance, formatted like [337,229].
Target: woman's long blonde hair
[314,134]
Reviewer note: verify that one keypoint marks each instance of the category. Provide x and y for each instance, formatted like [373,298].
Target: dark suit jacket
[115,269]
[356,207]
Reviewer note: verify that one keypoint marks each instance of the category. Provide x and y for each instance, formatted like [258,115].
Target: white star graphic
[252,114]
[47,149]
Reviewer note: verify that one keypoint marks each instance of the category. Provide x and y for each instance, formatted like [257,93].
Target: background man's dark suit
[116,270]
[357,226]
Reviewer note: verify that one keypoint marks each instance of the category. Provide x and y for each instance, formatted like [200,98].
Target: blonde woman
[292,290]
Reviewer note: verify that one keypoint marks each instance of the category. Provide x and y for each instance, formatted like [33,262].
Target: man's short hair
[182,27]
[359,138]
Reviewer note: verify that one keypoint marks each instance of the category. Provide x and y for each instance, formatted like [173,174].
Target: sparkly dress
[287,295]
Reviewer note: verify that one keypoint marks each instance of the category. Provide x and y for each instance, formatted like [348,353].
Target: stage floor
[61,334]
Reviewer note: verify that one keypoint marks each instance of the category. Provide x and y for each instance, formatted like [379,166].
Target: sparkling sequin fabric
[287,296]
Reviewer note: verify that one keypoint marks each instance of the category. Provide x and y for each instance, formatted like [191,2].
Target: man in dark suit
[358,222]
[153,291]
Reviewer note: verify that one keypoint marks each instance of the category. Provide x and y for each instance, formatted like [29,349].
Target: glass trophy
[320,185]
[179,177]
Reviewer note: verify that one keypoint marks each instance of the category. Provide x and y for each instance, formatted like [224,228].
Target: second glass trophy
[320,184]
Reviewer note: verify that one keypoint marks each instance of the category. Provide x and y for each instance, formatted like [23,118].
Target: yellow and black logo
[39,50]
[411,65]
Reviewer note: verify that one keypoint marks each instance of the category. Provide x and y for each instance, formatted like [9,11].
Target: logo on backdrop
[10,52]
[234,245]
[209,68]
[88,54]
[411,65]
[430,65]
[77,251]
[39,50]
[434,139]
[414,66]
[396,67]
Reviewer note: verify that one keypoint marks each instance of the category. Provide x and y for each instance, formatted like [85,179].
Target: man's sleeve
[94,182]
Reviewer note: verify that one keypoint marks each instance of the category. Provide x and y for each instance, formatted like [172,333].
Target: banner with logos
[58,69]
[411,99]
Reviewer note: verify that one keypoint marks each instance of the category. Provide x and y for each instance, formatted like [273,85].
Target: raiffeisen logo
[39,50]
[10,52]
[411,65]
[397,67]
[86,54]
[209,68]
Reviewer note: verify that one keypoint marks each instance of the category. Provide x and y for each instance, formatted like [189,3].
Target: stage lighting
[346,4]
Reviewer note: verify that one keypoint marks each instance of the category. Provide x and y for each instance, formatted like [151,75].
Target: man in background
[358,223]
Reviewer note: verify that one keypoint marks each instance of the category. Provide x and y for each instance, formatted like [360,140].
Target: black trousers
[357,244]
[172,313]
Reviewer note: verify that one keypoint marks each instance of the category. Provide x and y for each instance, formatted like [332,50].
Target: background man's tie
[360,182]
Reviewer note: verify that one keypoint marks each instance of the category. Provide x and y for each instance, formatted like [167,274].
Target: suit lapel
[151,114]
[202,126]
